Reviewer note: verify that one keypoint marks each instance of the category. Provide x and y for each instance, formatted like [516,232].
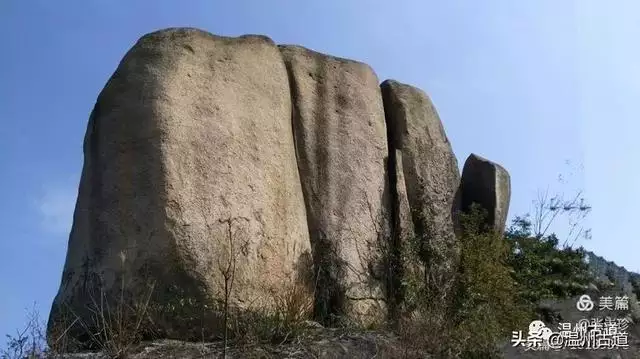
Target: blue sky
[543,87]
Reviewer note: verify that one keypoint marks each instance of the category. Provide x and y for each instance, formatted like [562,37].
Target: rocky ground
[326,343]
[332,344]
[321,342]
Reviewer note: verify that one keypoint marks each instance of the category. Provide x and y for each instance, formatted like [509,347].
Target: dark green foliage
[543,270]
[485,308]
[502,279]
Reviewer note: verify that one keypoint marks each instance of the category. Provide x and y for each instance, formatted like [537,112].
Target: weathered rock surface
[403,224]
[431,177]
[190,173]
[223,168]
[489,185]
[402,232]
[340,136]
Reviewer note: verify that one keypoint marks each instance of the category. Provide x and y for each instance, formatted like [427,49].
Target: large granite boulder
[190,192]
[431,177]
[487,184]
[340,135]
[224,170]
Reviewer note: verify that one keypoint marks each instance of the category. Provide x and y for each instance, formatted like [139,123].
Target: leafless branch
[548,210]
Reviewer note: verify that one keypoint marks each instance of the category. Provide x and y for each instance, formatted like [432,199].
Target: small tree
[30,342]
[227,268]
[486,308]
[542,269]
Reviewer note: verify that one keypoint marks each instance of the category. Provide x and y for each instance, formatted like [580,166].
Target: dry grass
[114,322]
[116,325]
[115,330]
[284,323]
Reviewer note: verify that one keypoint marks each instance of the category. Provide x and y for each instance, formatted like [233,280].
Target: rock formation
[225,170]
[340,135]
[190,172]
[431,179]
[487,184]
[402,233]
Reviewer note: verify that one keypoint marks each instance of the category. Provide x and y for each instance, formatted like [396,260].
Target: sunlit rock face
[190,171]
[233,170]
[340,134]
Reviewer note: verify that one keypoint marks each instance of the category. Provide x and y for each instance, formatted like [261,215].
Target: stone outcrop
[230,170]
[489,185]
[340,135]
[190,173]
[431,178]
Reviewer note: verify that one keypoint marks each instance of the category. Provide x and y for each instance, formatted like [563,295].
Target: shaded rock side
[488,184]
[431,178]
[402,232]
[341,145]
[189,174]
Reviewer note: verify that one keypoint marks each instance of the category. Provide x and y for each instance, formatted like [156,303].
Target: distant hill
[605,270]
[611,280]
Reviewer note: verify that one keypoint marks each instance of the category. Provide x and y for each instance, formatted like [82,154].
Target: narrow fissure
[394,270]
[293,94]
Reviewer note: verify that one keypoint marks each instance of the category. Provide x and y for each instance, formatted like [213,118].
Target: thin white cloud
[55,207]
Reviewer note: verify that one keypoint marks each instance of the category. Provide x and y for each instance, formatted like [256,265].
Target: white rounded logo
[585,303]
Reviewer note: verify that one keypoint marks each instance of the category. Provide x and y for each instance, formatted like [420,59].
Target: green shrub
[541,269]
[486,307]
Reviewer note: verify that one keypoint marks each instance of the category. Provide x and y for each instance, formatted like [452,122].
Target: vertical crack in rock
[340,138]
[305,271]
[394,257]
[401,232]
[400,223]
[431,177]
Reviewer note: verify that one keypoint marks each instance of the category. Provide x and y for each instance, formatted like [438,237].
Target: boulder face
[340,135]
[224,170]
[431,178]
[402,233]
[488,184]
[189,178]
